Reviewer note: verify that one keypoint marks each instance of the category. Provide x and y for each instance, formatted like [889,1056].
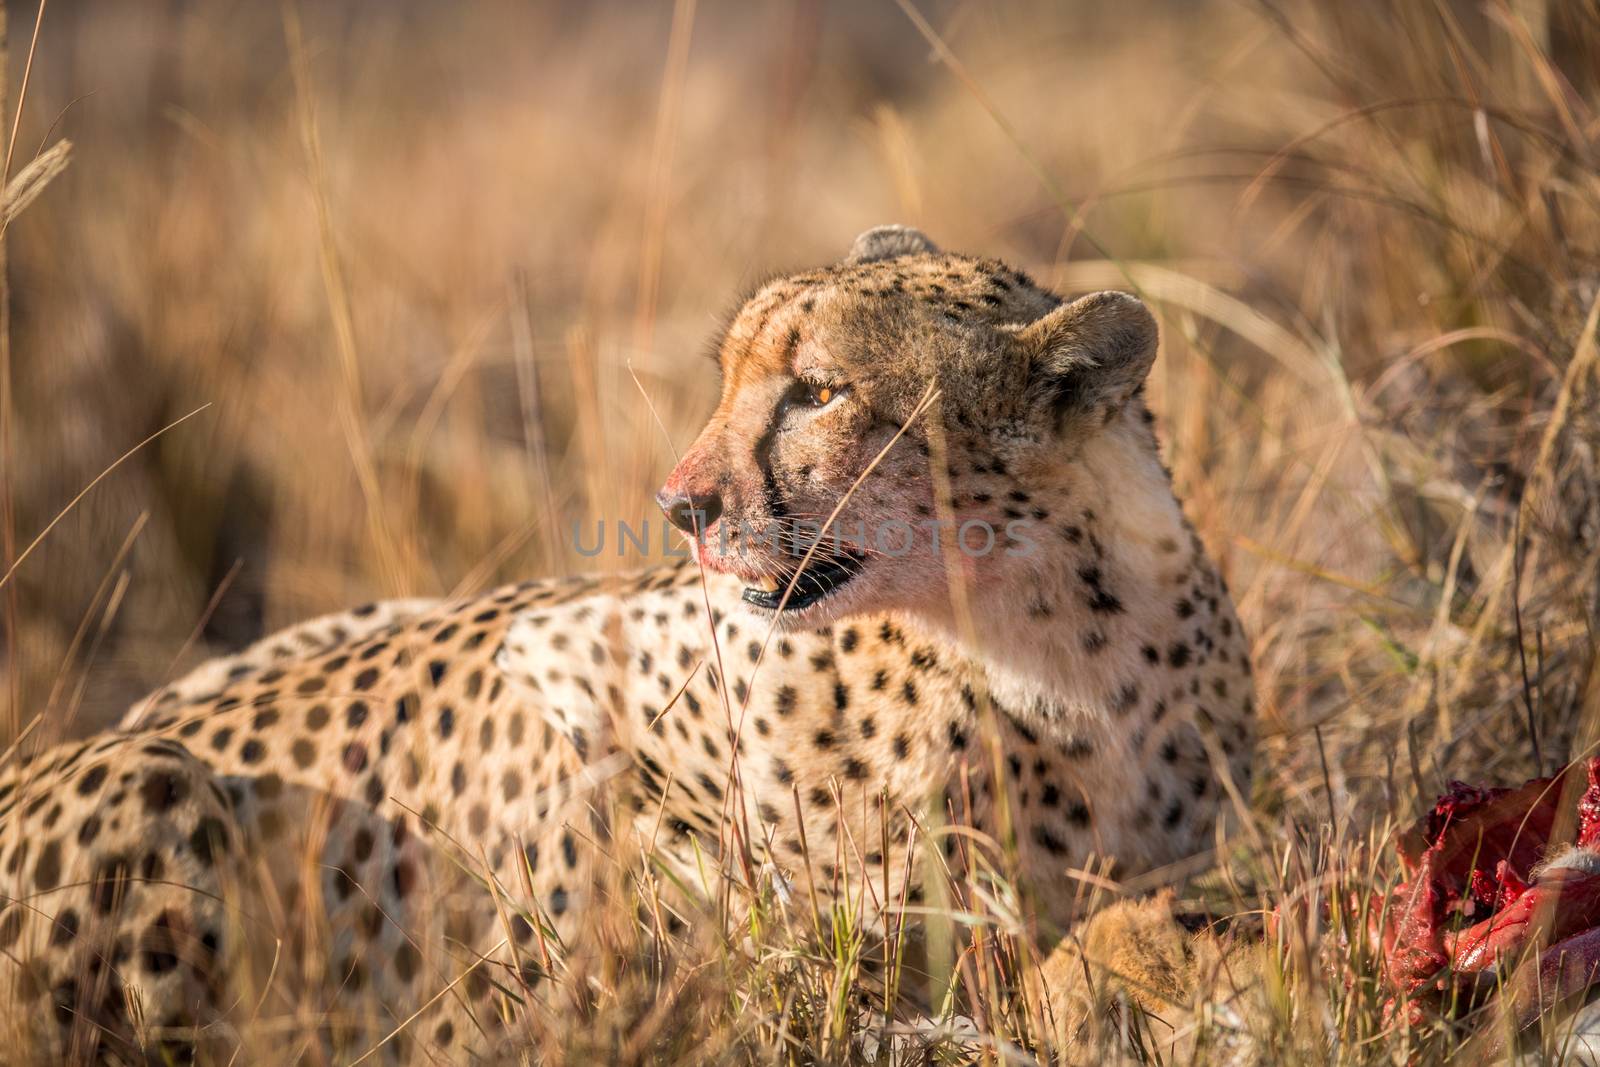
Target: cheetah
[389,824]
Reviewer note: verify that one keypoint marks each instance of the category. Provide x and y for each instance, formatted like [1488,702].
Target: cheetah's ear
[1086,358]
[887,242]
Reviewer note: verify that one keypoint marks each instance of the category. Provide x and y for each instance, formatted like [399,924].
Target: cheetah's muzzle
[819,579]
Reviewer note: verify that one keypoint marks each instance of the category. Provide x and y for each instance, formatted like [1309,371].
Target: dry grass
[413,257]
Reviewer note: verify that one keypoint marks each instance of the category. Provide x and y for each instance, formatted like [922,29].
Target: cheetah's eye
[814,395]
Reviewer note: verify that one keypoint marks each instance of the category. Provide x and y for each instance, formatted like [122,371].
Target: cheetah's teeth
[768,583]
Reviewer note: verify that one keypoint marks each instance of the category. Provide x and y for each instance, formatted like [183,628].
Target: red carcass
[1501,896]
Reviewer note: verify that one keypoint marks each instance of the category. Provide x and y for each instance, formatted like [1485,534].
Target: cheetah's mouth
[820,579]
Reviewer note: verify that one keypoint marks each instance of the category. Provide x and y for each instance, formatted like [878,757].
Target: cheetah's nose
[690,514]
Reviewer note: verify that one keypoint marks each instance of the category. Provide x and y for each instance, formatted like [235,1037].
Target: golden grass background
[423,265]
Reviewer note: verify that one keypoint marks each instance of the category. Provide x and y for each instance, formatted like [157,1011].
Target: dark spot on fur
[47,868]
[108,887]
[161,790]
[1049,841]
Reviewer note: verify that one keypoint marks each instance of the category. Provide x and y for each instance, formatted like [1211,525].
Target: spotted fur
[404,811]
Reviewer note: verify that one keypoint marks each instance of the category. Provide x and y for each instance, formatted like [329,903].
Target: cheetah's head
[821,371]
